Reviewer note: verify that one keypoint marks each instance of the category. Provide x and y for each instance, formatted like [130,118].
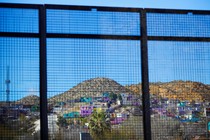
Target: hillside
[29,100]
[91,88]
[182,90]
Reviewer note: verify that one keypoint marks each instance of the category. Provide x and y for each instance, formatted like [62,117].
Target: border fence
[154,29]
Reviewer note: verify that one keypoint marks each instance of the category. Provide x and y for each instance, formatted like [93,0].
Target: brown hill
[29,100]
[91,88]
[182,90]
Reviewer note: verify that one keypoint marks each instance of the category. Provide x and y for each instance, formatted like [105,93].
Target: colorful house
[105,97]
[160,111]
[86,99]
[129,99]
[34,108]
[71,115]
[86,110]
[100,105]
[117,120]
[57,109]
[97,99]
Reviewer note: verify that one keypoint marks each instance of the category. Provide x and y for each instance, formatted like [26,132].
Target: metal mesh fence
[19,88]
[95,70]
[94,77]
[179,88]
[92,22]
[19,20]
[179,25]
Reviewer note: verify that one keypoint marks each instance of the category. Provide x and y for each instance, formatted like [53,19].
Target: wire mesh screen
[92,80]
[92,22]
[19,20]
[179,25]
[94,73]
[179,86]
[19,88]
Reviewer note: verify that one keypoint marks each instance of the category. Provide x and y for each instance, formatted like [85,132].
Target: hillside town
[72,113]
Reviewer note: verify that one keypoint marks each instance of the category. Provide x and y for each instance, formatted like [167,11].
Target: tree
[62,121]
[99,125]
[83,121]
[113,96]
[120,97]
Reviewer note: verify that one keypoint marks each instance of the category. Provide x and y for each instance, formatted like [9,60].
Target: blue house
[105,94]
[106,97]
[71,115]
[86,99]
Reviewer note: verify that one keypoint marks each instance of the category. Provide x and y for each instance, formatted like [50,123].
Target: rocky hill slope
[182,90]
[91,88]
[29,100]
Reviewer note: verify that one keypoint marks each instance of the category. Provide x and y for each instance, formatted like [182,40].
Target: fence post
[43,74]
[145,77]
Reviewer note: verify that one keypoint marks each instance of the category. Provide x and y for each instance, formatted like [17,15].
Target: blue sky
[175,4]
[83,59]
[185,61]
[71,61]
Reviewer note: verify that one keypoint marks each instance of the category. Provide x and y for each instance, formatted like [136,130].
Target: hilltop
[29,100]
[91,88]
[182,90]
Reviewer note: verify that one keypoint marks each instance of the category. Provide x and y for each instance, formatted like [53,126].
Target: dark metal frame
[93,36]
[43,74]
[176,11]
[144,38]
[145,78]
[89,8]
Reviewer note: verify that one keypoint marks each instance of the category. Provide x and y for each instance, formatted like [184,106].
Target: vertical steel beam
[43,74]
[145,77]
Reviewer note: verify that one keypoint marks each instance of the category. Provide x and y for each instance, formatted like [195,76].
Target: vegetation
[83,121]
[119,97]
[113,96]
[8,133]
[62,122]
[99,125]
[12,129]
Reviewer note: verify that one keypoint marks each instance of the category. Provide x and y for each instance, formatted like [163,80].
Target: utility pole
[7,81]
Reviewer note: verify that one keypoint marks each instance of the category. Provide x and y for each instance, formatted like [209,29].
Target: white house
[57,109]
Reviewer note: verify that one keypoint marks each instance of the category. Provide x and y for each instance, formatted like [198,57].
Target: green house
[71,115]
[34,108]
[86,99]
